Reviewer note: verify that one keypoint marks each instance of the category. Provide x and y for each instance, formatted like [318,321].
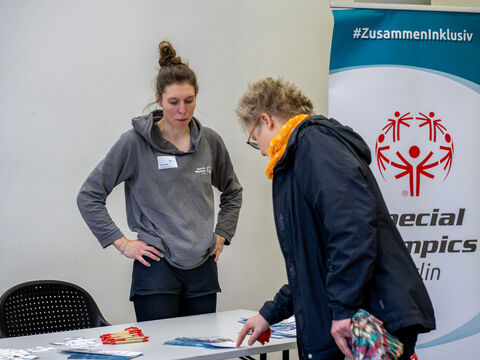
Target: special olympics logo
[414,148]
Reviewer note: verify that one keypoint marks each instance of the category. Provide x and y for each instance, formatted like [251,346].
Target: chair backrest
[45,306]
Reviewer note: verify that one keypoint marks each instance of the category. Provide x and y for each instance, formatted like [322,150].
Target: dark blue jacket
[342,251]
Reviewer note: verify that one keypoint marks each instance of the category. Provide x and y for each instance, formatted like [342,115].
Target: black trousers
[163,306]
[162,291]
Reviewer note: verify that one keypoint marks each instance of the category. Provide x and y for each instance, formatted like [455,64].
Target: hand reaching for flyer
[257,324]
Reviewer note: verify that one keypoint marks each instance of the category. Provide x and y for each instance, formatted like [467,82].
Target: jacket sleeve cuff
[278,309]
[341,313]
[267,315]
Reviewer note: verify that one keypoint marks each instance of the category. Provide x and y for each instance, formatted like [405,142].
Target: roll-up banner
[409,82]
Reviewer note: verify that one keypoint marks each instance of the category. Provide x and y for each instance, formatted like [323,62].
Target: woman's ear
[158,99]
[267,119]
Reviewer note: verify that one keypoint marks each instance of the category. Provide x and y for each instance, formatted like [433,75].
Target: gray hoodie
[168,192]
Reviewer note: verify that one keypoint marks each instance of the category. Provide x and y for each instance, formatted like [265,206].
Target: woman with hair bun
[168,163]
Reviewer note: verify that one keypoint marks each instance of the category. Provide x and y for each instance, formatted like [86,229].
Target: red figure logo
[424,150]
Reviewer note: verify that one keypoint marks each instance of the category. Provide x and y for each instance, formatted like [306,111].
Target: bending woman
[341,248]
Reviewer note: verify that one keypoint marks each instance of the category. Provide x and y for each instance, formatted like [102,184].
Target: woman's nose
[181,108]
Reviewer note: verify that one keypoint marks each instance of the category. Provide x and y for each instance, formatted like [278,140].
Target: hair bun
[168,55]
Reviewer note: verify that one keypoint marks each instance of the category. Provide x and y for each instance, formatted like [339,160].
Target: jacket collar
[332,127]
[292,142]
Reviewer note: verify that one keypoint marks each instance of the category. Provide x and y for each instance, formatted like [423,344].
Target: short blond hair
[274,97]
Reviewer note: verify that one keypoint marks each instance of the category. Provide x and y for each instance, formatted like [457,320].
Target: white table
[223,324]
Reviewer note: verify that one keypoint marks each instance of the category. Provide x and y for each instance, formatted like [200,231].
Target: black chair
[46,306]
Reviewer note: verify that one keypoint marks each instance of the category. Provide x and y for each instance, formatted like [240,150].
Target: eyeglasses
[252,142]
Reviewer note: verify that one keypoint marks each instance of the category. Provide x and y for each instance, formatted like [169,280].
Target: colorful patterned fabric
[370,340]
[279,142]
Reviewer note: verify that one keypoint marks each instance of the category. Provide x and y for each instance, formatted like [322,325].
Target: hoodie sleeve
[225,180]
[346,208]
[117,166]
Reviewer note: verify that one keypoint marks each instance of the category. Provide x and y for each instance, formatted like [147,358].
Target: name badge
[166,162]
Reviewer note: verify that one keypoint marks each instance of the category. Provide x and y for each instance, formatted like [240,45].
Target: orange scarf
[280,141]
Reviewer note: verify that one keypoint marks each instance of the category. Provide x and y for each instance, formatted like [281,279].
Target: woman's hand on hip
[137,250]
[218,247]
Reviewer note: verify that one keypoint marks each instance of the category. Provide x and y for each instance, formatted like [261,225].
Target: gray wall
[73,74]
